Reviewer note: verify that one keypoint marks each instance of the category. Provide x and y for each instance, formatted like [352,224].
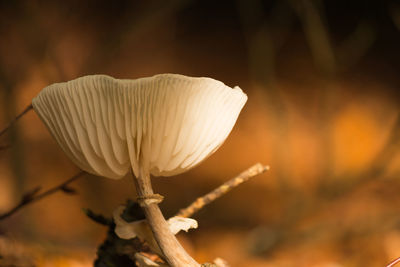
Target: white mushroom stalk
[162,125]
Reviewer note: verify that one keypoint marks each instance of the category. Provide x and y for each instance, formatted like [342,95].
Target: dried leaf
[177,224]
[129,230]
[97,217]
[141,229]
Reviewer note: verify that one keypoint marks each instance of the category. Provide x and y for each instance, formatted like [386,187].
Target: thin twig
[33,196]
[393,263]
[5,129]
[222,189]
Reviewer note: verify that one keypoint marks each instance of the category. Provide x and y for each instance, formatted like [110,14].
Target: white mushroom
[161,125]
[166,124]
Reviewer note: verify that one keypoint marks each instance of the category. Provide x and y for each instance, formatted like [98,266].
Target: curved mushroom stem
[174,253]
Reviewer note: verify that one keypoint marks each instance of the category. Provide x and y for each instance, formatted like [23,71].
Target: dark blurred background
[323,111]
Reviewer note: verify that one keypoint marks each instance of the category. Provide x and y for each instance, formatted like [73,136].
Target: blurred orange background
[322,79]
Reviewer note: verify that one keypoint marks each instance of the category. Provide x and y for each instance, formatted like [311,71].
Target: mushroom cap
[165,124]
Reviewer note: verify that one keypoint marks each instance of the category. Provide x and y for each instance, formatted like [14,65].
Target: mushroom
[161,126]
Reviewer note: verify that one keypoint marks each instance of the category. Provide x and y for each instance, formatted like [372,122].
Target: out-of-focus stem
[5,129]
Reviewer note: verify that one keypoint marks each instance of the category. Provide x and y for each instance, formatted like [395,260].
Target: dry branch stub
[221,190]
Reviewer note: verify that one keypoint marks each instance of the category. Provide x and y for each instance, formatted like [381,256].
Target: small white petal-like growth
[141,228]
[165,124]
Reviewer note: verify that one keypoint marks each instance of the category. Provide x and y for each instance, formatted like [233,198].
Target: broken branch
[200,202]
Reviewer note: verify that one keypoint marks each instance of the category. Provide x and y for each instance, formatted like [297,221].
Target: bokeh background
[322,79]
